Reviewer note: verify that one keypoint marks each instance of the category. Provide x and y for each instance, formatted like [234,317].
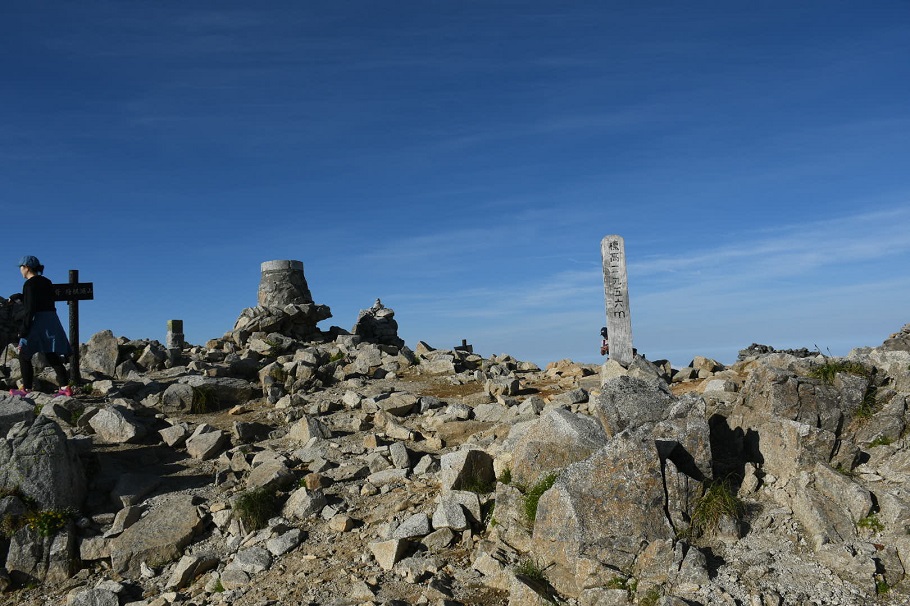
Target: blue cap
[29,261]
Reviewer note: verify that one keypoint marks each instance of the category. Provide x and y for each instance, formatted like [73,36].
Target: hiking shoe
[18,392]
[64,391]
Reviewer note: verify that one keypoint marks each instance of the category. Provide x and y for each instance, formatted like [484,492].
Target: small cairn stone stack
[377,325]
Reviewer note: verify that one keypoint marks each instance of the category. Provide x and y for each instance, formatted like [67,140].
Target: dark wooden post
[75,375]
[72,293]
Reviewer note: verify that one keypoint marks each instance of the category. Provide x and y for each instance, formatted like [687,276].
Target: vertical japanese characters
[616,296]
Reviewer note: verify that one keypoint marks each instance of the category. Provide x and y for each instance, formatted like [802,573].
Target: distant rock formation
[377,325]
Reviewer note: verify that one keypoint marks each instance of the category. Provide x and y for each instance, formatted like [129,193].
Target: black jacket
[37,295]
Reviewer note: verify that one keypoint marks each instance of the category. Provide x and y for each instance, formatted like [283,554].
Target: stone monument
[283,283]
[285,306]
[616,294]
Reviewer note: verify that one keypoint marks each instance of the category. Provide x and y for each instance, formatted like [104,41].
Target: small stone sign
[616,295]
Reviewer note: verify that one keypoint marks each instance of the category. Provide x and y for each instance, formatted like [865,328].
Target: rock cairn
[12,312]
[285,307]
[377,325]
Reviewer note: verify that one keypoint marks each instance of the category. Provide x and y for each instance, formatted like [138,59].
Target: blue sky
[462,161]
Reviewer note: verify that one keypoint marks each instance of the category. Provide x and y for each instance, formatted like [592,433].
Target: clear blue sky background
[462,161]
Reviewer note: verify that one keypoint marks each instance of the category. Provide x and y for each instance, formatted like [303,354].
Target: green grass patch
[48,522]
[256,507]
[477,478]
[844,471]
[534,577]
[650,598]
[829,369]
[718,501]
[9,524]
[75,414]
[478,485]
[489,519]
[205,400]
[278,374]
[506,476]
[616,583]
[881,441]
[629,585]
[868,406]
[871,522]
[531,569]
[532,496]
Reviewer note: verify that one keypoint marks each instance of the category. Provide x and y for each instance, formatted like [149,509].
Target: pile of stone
[377,325]
[12,312]
[439,476]
[757,349]
[899,341]
[285,306]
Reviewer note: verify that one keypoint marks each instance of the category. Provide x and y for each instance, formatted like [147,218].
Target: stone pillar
[283,283]
[174,341]
[174,338]
[616,295]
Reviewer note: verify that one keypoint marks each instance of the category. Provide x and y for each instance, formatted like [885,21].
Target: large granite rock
[47,559]
[14,409]
[158,538]
[553,442]
[206,394]
[601,512]
[39,459]
[100,354]
[117,425]
[628,401]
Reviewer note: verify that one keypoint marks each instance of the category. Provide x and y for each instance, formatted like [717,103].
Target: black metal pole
[75,376]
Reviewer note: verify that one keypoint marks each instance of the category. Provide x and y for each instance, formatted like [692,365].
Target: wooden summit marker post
[72,293]
[616,295]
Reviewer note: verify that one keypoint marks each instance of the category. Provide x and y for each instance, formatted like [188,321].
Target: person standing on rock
[41,330]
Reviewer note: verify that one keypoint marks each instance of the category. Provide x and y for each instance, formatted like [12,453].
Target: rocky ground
[391,476]
[323,567]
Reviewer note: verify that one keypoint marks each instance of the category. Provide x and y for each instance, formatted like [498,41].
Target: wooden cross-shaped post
[72,293]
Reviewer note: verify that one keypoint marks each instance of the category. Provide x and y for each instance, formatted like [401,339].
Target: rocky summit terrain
[282,464]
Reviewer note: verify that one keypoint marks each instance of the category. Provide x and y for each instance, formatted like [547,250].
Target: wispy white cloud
[790,250]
